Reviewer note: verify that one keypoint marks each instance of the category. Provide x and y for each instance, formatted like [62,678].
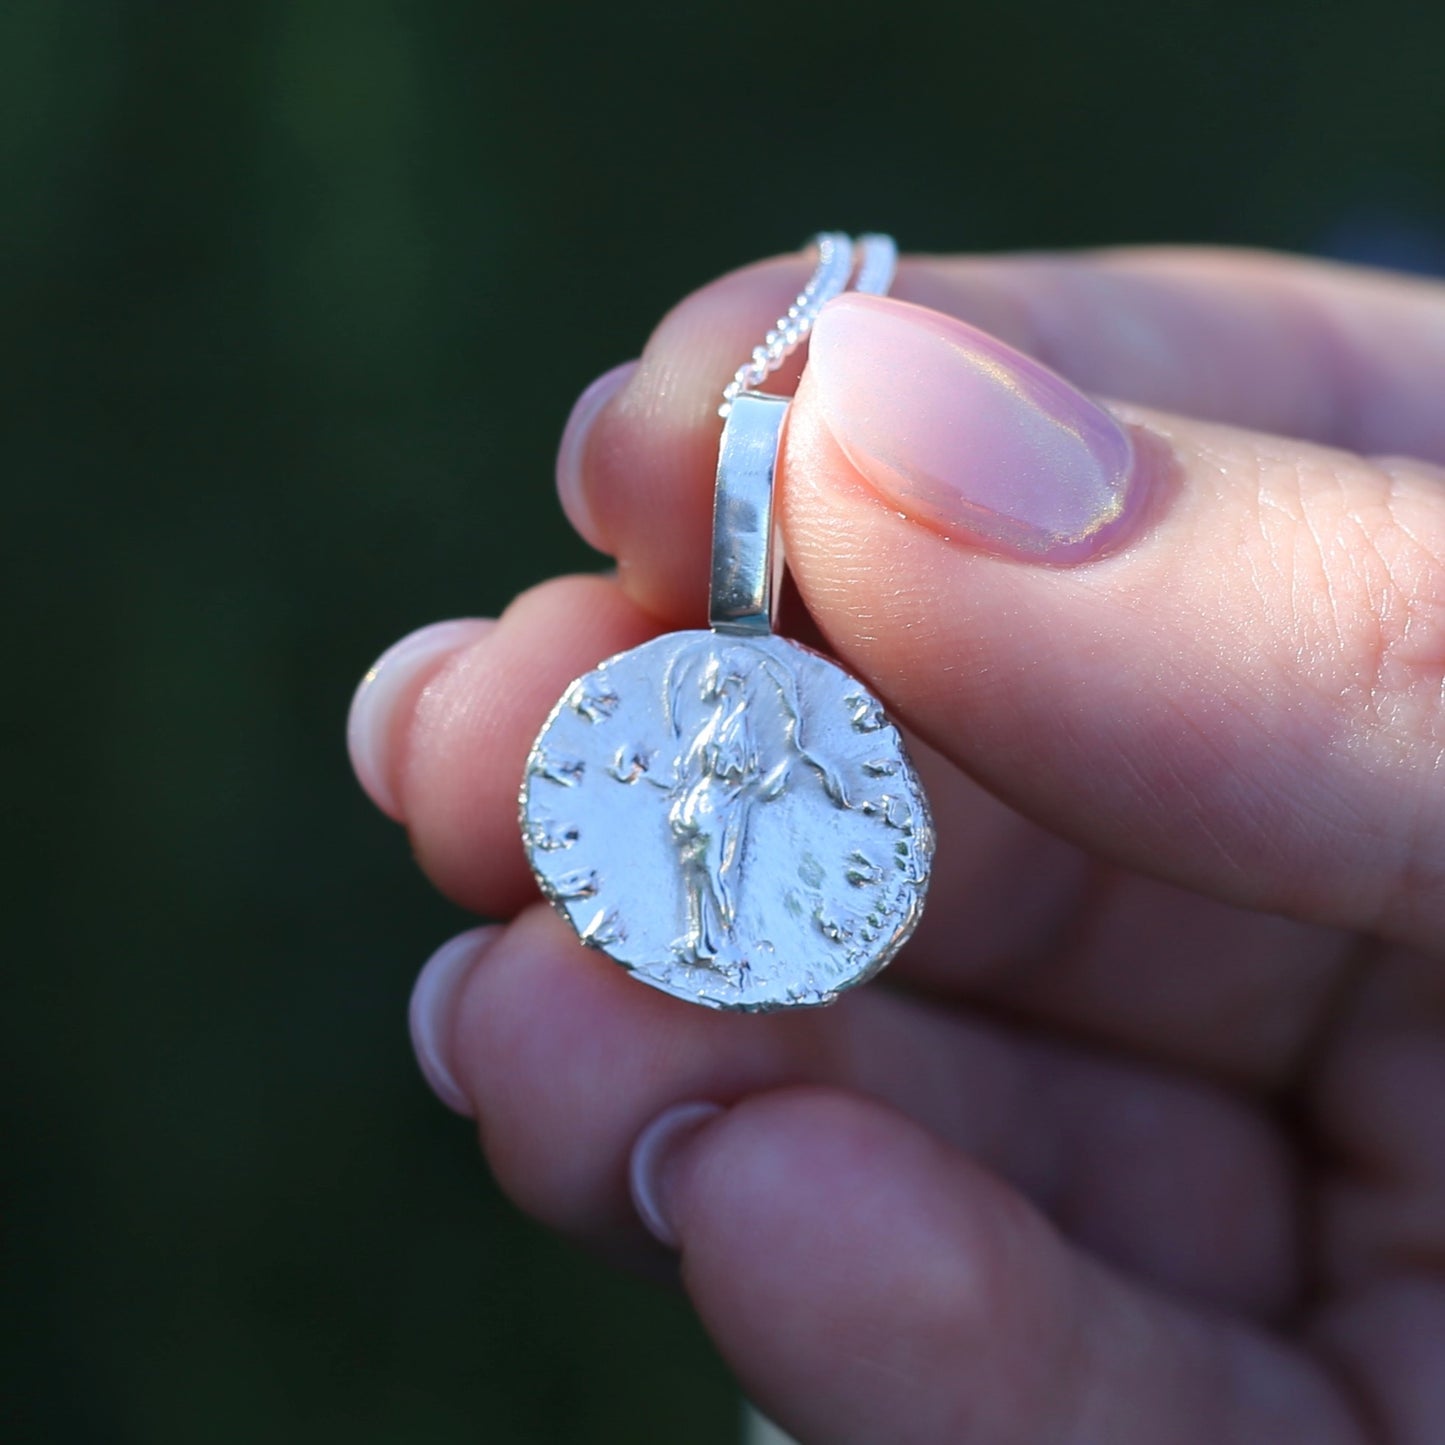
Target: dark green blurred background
[296,298]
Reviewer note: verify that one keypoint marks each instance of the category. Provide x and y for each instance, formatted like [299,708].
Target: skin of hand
[1142,1140]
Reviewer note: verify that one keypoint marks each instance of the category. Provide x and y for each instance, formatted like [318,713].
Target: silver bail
[746,560]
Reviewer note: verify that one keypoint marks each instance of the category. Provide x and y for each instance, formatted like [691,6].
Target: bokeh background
[296,297]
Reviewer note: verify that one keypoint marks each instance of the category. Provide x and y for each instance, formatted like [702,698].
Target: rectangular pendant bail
[747,560]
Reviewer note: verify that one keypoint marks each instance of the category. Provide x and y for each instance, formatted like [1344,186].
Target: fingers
[1301,348]
[385,702]
[445,719]
[1389,1341]
[1241,693]
[1015,915]
[867,1283]
[1375,1107]
[456,747]
[564,1060]
[1329,353]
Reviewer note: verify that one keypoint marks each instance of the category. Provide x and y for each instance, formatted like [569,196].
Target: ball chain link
[830,278]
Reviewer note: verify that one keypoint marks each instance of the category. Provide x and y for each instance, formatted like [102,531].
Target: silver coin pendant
[733,819]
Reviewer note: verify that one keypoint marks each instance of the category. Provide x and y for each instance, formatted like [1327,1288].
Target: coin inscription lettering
[733,819]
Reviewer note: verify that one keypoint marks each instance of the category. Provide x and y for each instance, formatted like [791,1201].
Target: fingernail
[968,435]
[386,697]
[431,1013]
[650,1168]
[571,484]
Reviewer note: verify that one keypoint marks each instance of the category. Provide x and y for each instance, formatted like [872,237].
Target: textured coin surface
[733,819]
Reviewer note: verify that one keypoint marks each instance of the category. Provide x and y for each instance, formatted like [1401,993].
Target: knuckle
[1375,532]
[1401,562]
[1354,557]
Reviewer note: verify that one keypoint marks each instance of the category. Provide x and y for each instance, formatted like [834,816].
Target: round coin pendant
[731,818]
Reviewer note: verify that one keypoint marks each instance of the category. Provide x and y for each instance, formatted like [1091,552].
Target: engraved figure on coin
[738,720]
[731,818]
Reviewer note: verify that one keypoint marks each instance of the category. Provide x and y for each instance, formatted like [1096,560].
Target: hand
[1151,1146]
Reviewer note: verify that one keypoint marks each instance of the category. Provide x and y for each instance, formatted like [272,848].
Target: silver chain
[830,278]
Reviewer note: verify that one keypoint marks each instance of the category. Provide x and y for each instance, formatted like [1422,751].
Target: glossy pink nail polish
[969,436]
[385,695]
[432,1011]
[571,454]
[648,1168]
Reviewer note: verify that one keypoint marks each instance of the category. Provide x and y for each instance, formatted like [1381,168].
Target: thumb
[1211,654]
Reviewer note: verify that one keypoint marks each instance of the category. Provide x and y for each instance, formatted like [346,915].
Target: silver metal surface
[746,560]
[879,264]
[790,330]
[731,818]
